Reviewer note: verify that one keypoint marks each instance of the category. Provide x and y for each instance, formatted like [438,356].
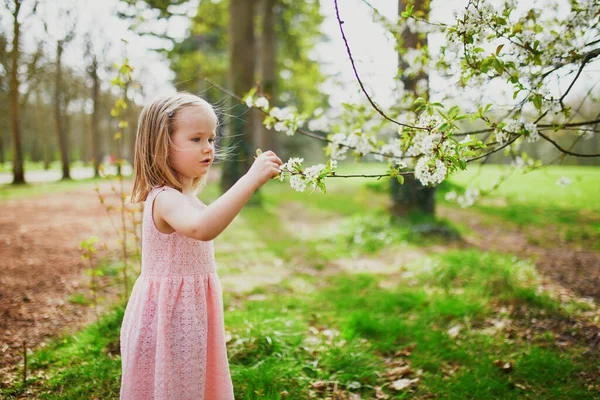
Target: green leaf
[400,179]
[251,92]
[537,101]
[408,12]
[498,65]
[499,48]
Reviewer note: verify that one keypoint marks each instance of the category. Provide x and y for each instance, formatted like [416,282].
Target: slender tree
[18,171]
[92,70]
[59,98]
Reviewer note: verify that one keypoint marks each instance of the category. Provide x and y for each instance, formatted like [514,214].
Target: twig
[340,22]
[586,59]
[24,362]
[300,130]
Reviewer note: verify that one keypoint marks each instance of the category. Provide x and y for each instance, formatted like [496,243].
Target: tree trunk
[412,196]
[60,129]
[18,173]
[2,158]
[267,139]
[42,128]
[96,150]
[241,79]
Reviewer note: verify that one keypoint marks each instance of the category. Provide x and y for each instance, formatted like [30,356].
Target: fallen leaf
[402,384]
[505,366]
[522,387]
[379,393]
[405,351]
[454,331]
[397,372]
[353,385]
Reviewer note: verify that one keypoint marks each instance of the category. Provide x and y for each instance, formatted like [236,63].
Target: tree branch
[300,130]
[589,56]
[340,22]
[566,151]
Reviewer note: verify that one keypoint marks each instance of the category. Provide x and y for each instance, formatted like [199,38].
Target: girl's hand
[265,167]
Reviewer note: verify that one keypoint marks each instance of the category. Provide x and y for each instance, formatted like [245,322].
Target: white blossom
[313,171]
[469,198]
[262,103]
[563,181]
[532,135]
[430,175]
[450,196]
[297,183]
[430,121]
[293,163]
[467,139]
[518,162]
[336,150]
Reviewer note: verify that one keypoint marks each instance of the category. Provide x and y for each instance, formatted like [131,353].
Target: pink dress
[172,336]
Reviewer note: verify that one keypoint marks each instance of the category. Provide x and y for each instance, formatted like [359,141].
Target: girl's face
[193,140]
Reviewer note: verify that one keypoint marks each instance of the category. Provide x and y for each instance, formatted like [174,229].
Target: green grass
[342,334]
[538,188]
[8,191]
[550,214]
[39,165]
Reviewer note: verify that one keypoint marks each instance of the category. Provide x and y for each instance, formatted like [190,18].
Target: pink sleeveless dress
[172,335]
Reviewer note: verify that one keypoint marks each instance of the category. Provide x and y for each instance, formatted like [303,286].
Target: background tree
[61,39]
[93,60]
[267,70]
[15,8]
[240,78]
[412,195]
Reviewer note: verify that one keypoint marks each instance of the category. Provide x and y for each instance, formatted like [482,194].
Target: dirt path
[576,270]
[41,265]
[570,274]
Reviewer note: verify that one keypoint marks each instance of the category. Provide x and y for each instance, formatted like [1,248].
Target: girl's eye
[198,139]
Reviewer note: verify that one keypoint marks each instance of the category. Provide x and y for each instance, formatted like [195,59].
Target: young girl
[172,336]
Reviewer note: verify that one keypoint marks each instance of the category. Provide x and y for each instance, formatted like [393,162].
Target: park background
[326,295]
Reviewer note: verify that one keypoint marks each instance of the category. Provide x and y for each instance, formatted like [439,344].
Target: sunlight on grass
[538,188]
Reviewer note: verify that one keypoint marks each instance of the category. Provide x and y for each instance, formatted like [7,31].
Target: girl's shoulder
[165,187]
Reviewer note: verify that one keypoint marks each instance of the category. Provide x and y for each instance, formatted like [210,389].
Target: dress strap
[151,197]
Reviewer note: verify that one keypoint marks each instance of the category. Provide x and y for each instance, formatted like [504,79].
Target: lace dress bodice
[173,254]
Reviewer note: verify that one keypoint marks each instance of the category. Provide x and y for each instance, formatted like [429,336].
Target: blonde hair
[151,156]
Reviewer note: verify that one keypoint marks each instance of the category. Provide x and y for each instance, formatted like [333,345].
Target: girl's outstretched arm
[172,207]
[207,224]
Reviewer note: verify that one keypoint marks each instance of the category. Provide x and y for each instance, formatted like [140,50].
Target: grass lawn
[366,306]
